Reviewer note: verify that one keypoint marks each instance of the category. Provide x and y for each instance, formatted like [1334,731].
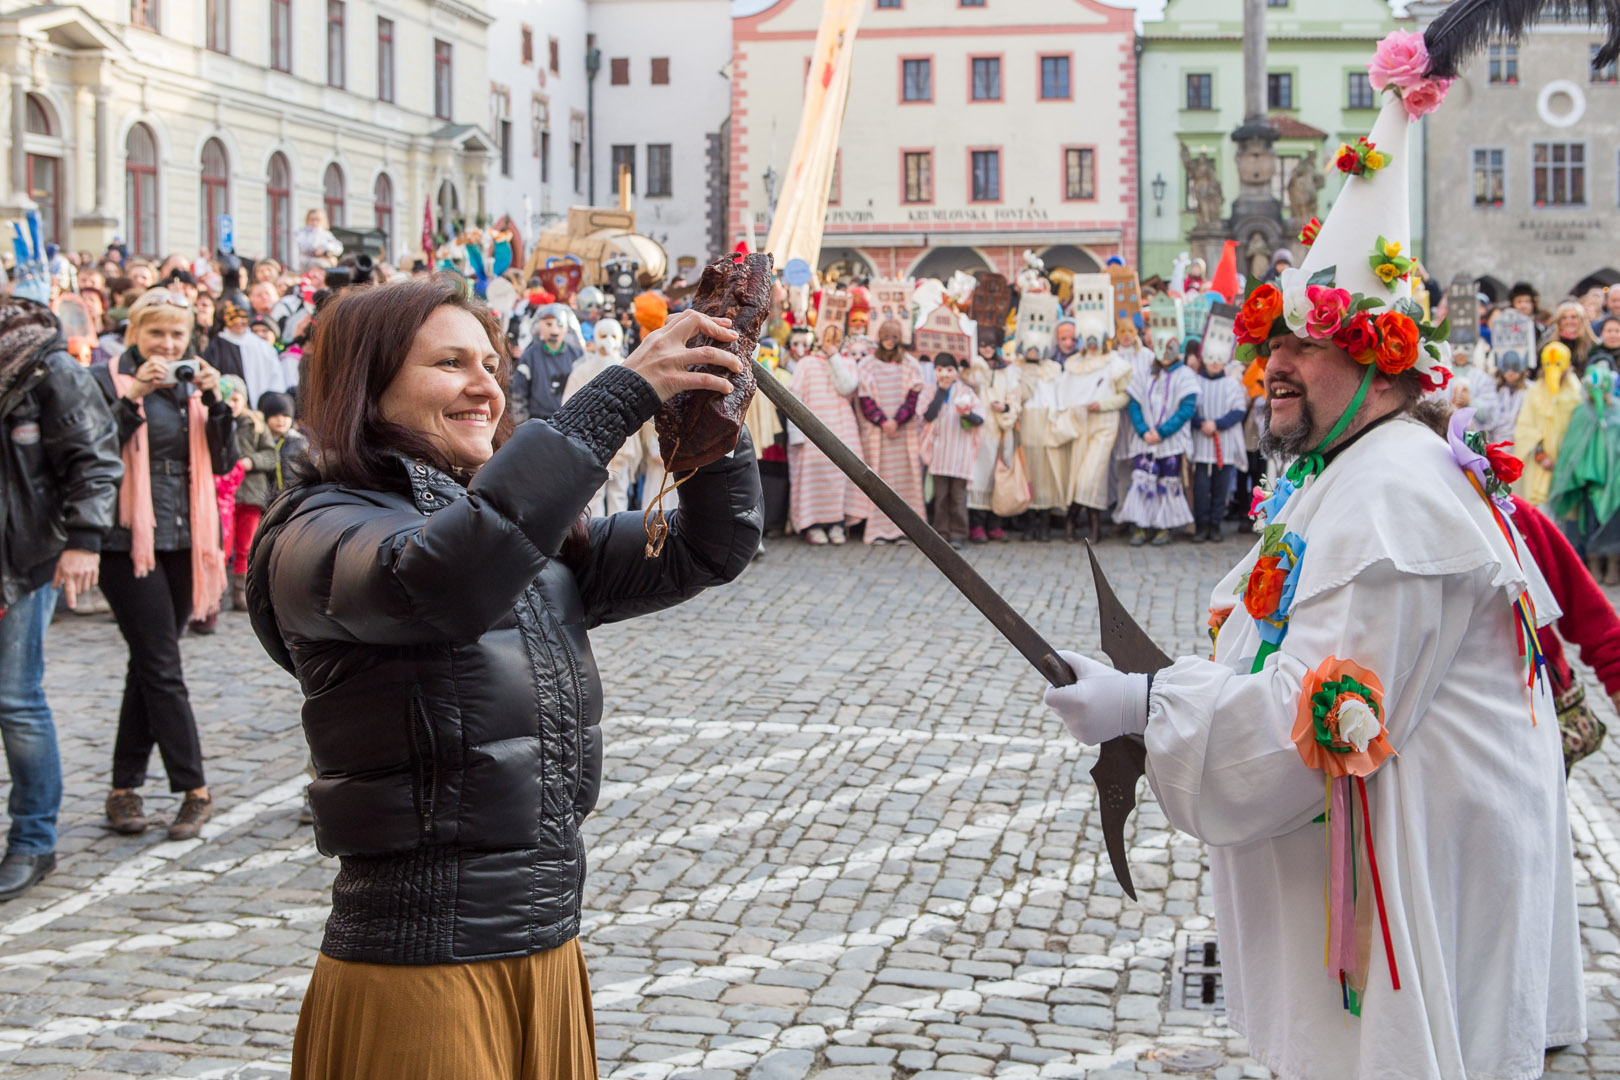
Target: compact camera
[180,371]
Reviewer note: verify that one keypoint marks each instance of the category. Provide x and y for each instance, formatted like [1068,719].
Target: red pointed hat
[1225,278]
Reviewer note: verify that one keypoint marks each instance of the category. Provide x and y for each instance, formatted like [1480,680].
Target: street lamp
[1158,194]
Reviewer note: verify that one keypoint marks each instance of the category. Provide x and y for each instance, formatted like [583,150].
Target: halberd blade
[1120,762]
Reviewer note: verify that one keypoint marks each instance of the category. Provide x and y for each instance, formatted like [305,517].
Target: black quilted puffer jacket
[452,703]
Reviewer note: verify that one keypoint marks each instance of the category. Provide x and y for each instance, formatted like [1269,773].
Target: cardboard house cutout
[832,311]
[1164,320]
[941,332]
[1093,306]
[1195,313]
[1219,339]
[1462,308]
[1127,297]
[891,300]
[1514,332]
[992,300]
[1037,321]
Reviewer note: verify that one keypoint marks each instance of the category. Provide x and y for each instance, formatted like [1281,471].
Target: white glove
[1104,704]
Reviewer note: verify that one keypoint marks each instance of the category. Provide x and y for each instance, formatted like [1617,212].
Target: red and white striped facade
[1036,132]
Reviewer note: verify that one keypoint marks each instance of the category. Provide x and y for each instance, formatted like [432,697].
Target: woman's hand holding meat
[663,358]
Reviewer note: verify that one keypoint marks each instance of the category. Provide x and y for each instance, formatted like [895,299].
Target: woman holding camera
[162,564]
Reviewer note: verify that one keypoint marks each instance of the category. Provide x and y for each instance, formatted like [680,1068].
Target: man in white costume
[1369,731]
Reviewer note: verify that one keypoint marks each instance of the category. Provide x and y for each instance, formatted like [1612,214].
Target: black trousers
[156,711]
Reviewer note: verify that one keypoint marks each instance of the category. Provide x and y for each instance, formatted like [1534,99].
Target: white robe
[1405,574]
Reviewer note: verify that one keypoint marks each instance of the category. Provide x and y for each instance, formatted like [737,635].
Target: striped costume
[819,493]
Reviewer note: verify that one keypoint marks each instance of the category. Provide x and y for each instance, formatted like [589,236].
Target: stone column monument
[1256,222]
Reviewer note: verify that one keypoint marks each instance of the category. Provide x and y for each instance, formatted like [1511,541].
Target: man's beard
[1294,443]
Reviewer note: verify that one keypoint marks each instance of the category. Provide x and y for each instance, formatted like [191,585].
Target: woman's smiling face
[446,390]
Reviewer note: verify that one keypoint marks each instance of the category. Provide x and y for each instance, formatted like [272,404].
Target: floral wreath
[1393,336]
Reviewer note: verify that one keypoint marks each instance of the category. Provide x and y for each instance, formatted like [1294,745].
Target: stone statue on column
[1305,184]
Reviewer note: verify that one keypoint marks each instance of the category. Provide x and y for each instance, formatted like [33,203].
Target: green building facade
[1190,93]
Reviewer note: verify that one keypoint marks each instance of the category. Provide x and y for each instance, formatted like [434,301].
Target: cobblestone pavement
[839,837]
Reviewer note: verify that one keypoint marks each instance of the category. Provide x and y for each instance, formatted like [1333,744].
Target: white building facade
[661,101]
[538,110]
[974,131]
[147,120]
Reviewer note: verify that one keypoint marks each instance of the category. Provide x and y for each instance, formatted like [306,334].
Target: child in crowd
[1218,446]
[1506,398]
[956,424]
[1161,411]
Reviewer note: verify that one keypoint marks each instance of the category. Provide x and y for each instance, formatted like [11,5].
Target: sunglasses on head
[169,299]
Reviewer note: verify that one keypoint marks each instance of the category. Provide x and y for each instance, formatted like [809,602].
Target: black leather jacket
[59,466]
[452,704]
[168,435]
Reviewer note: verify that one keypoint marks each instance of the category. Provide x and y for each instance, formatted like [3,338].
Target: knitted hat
[273,404]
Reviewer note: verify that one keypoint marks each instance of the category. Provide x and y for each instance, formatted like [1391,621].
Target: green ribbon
[1266,649]
[1313,463]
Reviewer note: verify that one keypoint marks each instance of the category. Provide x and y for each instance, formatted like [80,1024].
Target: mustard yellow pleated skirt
[524,1018]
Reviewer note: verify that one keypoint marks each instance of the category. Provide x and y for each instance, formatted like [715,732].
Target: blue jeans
[25,725]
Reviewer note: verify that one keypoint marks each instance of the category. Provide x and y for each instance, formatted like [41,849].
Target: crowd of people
[1038,436]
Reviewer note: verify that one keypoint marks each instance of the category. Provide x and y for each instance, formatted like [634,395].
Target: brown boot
[1096,525]
[189,821]
[125,813]
[239,591]
[1611,570]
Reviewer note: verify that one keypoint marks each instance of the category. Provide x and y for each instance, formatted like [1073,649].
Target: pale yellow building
[148,119]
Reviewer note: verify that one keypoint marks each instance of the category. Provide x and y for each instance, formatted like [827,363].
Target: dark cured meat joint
[696,427]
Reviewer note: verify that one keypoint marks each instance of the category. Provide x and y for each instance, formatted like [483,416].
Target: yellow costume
[1543,419]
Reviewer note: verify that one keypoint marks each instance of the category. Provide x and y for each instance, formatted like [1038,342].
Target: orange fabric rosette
[1264,591]
[1325,693]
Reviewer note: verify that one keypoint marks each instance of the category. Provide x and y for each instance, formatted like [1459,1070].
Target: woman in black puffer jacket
[432,589]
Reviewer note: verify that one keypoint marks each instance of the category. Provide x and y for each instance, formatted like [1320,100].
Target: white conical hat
[1374,204]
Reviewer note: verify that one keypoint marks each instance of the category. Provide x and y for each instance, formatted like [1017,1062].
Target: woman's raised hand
[663,358]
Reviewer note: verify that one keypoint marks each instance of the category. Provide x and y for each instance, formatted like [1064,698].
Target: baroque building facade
[1192,100]
[974,131]
[1524,165]
[149,120]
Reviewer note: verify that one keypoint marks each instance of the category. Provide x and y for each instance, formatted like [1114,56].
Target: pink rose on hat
[1425,97]
[1402,60]
[1328,309]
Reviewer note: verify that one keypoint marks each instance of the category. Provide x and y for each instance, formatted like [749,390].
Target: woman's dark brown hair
[359,343]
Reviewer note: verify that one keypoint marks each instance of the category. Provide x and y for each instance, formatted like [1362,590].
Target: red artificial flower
[1506,467]
[1398,342]
[1307,235]
[1348,160]
[1265,588]
[1434,380]
[1359,338]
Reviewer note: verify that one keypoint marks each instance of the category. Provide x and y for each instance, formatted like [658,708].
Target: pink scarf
[135,504]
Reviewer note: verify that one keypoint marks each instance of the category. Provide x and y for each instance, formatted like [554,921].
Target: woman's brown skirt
[524,1018]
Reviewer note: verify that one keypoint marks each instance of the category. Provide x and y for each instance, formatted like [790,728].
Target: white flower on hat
[1296,302]
[1358,725]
